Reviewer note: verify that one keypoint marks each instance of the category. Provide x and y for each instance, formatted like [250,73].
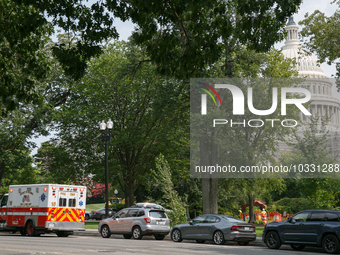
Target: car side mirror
[191,223]
[289,219]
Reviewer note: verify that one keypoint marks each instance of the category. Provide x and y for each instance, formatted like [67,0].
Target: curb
[94,232]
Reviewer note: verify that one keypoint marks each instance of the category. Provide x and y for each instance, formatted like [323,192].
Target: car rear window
[232,219]
[332,216]
[157,214]
[140,213]
[317,216]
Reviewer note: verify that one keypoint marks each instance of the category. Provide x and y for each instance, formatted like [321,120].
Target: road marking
[36,252]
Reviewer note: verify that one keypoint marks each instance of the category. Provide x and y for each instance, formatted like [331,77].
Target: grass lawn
[91,225]
[94,207]
[259,231]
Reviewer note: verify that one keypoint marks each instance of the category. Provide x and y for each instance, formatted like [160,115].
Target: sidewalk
[94,232]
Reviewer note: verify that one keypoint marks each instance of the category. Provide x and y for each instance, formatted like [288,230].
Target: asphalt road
[14,244]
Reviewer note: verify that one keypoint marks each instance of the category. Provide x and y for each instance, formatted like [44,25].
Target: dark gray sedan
[218,228]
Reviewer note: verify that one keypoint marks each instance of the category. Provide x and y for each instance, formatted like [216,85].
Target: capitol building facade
[323,104]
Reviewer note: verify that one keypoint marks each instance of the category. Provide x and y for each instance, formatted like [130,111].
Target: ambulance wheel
[62,234]
[30,228]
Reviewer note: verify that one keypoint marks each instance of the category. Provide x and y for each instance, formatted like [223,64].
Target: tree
[170,198]
[245,145]
[56,165]
[310,149]
[185,38]
[323,36]
[24,30]
[146,110]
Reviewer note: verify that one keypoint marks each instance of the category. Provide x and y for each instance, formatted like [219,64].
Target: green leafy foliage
[170,199]
[291,205]
[146,109]
[24,30]
[323,36]
[55,164]
[184,38]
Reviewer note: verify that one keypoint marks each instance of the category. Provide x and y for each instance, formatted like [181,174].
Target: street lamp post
[106,137]
[116,192]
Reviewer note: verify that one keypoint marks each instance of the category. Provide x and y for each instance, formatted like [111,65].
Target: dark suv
[310,227]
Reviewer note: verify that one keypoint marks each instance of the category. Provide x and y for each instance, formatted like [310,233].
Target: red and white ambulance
[35,209]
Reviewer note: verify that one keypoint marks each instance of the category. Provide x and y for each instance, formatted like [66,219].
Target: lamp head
[109,124]
[102,126]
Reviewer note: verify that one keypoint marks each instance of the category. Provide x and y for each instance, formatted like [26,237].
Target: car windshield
[232,219]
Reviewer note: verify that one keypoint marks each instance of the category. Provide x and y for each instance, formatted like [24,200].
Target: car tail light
[147,220]
[95,212]
[234,228]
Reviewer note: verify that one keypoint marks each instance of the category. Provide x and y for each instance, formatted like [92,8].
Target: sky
[308,6]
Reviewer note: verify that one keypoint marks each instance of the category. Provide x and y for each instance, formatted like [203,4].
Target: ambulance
[35,209]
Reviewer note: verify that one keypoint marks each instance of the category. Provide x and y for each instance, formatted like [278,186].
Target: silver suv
[137,221]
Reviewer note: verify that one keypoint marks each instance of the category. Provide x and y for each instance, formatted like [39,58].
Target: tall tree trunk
[129,191]
[251,208]
[210,195]
[209,183]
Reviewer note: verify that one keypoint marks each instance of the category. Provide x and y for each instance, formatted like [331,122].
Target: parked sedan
[100,214]
[87,215]
[218,228]
[309,227]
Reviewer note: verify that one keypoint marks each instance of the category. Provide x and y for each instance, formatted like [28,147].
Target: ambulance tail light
[81,189]
[61,188]
[74,189]
[11,190]
[45,189]
[54,187]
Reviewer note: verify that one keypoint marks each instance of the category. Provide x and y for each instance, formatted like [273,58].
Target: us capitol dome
[322,102]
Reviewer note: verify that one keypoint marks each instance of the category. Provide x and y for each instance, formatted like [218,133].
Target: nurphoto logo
[238,99]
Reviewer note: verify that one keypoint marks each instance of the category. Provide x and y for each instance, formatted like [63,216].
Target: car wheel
[273,240]
[127,236]
[200,241]
[30,229]
[105,231]
[176,235]
[87,217]
[159,237]
[298,247]
[137,233]
[243,243]
[218,237]
[330,244]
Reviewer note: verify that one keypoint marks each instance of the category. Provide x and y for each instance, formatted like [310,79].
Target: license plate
[161,222]
[246,228]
